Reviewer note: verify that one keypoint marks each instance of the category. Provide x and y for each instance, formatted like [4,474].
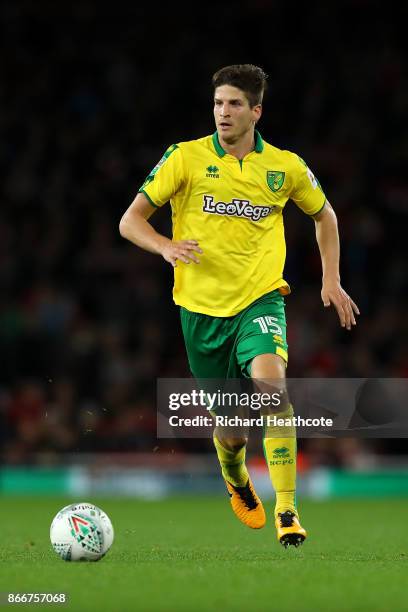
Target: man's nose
[225,110]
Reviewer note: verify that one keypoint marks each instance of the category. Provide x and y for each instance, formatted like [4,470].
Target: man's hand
[333,293]
[182,250]
[135,227]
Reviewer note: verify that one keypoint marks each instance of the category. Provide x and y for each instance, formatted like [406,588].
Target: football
[81,532]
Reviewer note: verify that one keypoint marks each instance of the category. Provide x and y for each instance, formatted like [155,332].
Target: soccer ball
[81,532]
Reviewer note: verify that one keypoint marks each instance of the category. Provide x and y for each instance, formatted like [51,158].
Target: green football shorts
[223,347]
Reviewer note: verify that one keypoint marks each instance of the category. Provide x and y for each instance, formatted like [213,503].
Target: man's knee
[268,376]
[268,366]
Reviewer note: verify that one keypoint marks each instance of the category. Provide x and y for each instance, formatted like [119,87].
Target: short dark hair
[247,77]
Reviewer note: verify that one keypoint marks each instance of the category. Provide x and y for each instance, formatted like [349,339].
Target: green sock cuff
[280,431]
[286,414]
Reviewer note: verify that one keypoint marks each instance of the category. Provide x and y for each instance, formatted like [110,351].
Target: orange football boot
[247,505]
[288,529]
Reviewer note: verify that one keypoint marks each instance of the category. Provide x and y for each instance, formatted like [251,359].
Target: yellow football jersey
[233,208]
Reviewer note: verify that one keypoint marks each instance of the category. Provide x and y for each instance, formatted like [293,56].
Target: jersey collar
[259,145]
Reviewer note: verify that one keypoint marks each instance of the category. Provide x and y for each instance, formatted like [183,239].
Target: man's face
[233,114]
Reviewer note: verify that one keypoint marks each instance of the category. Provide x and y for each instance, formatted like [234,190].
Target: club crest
[275,179]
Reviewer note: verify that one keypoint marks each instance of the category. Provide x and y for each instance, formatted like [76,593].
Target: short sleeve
[306,190]
[166,178]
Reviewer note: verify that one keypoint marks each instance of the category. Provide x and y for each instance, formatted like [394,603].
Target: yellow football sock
[232,464]
[280,455]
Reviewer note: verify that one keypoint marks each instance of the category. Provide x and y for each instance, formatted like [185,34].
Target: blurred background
[90,98]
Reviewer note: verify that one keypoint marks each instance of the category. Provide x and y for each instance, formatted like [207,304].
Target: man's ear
[258,112]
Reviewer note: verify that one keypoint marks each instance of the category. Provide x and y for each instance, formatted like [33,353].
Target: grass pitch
[193,555]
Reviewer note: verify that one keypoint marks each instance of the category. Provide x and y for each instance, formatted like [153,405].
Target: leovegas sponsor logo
[236,208]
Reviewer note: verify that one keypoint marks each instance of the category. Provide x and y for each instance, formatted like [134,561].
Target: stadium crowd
[87,108]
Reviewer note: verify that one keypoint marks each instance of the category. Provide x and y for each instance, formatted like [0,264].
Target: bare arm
[134,226]
[327,237]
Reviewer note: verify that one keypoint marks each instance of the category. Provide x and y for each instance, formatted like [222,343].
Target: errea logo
[212,172]
[282,456]
[237,208]
[281,452]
